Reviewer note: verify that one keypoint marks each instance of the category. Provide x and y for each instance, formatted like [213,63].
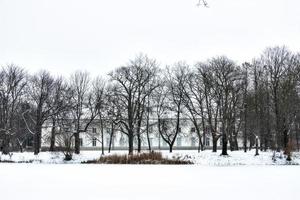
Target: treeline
[257,100]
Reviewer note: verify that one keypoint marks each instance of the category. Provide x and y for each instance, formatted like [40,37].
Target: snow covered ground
[240,176]
[205,158]
[208,158]
[143,182]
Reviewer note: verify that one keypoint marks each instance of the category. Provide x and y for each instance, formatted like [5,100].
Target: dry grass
[142,158]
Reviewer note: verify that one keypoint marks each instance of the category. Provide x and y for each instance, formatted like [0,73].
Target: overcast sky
[100,35]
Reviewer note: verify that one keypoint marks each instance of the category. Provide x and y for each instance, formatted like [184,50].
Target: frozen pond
[87,182]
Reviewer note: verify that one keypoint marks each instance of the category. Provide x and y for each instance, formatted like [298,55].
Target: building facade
[187,137]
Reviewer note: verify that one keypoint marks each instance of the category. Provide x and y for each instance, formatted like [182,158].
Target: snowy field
[239,176]
[205,158]
[143,182]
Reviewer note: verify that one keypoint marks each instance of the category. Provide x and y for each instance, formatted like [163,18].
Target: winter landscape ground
[204,158]
[110,182]
[238,176]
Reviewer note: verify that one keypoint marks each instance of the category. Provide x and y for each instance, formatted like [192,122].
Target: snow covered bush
[142,158]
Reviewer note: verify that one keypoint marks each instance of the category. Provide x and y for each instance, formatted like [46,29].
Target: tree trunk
[256,146]
[147,130]
[235,143]
[52,140]
[170,148]
[285,140]
[200,143]
[266,143]
[297,137]
[245,129]
[139,142]
[278,120]
[224,145]
[111,137]
[215,144]
[262,130]
[77,143]
[20,145]
[252,141]
[5,145]
[148,139]
[245,144]
[200,146]
[130,143]
[147,124]
[38,130]
[231,144]
[102,143]
[268,124]
[159,139]
[37,138]
[102,134]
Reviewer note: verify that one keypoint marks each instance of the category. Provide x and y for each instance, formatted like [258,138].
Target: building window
[94,130]
[150,129]
[135,141]
[179,142]
[30,142]
[207,141]
[151,141]
[81,142]
[193,130]
[94,142]
[107,141]
[193,141]
[207,130]
[122,141]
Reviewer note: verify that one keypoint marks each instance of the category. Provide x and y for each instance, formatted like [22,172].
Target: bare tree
[283,73]
[112,113]
[11,94]
[227,83]
[170,103]
[132,87]
[61,101]
[258,106]
[84,110]
[100,92]
[211,103]
[64,134]
[39,90]
[194,103]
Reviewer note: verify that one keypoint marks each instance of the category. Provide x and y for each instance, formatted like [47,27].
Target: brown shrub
[142,158]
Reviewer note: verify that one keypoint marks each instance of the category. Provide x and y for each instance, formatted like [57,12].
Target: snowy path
[139,182]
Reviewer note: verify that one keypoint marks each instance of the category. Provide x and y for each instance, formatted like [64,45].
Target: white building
[91,140]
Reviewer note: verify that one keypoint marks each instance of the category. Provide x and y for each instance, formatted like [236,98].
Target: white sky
[99,35]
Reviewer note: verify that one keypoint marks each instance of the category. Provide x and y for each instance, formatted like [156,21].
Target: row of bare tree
[221,99]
